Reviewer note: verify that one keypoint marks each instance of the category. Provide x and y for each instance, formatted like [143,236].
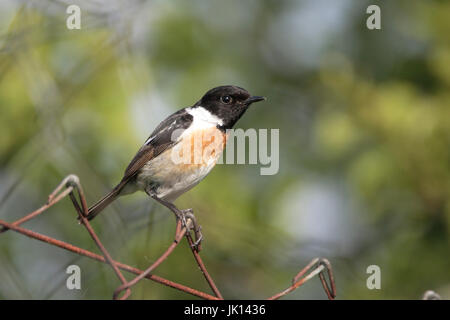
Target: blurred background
[364,119]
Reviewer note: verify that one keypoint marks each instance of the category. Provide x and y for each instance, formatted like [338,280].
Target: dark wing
[159,140]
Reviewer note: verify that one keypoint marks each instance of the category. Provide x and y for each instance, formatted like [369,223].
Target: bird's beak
[254,99]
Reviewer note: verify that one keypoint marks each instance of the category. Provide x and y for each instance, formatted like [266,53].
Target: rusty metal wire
[317,266]
[70,186]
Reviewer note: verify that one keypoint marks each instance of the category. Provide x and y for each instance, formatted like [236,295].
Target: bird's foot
[189,214]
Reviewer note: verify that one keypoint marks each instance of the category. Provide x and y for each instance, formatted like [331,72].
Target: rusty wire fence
[71,187]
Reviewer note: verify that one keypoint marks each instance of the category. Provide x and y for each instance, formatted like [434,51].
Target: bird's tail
[103,202]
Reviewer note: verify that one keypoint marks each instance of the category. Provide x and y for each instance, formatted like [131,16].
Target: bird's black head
[228,103]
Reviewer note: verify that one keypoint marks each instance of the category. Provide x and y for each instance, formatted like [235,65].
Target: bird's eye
[226,99]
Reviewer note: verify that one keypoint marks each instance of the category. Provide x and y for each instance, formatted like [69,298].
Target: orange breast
[201,147]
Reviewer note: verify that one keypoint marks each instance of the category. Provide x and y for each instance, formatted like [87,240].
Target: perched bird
[167,166]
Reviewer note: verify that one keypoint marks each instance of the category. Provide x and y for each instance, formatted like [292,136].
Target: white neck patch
[200,115]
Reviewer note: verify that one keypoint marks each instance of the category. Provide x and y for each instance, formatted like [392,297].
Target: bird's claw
[189,214]
[198,241]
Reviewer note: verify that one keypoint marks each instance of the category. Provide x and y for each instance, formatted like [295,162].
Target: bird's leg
[182,215]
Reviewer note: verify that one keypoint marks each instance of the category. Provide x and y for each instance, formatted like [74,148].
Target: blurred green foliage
[364,119]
